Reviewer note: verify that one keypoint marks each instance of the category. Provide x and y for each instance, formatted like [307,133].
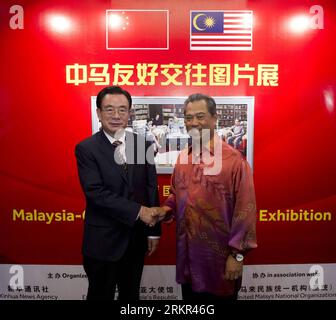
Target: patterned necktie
[118,156]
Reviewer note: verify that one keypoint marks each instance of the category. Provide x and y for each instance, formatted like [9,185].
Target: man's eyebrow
[196,113]
[111,105]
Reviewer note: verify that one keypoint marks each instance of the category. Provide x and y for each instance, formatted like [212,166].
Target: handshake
[151,216]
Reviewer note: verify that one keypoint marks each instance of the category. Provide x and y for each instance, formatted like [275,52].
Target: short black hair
[210,102]
[112,90]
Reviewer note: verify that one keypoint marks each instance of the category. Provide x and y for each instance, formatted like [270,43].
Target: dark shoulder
[139,140]
[90,141]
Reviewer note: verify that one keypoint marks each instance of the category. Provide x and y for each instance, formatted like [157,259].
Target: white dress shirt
[120,136]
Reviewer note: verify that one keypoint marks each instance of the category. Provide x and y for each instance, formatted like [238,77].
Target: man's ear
[98,111]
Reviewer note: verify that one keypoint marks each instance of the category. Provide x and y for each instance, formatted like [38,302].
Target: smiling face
[114,113]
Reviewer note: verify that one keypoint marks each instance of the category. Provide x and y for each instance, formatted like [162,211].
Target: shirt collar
[120,136]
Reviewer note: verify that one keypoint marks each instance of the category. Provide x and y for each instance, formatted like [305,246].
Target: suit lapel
[109,150]
[130,155]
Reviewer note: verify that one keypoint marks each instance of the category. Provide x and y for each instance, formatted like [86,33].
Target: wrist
[140,215]
[238,256]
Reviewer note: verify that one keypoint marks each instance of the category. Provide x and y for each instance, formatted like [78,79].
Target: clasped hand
[152,215]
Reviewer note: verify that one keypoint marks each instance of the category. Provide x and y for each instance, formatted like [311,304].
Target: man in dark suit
[117,174]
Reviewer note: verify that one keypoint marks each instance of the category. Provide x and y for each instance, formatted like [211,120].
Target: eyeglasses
[199,117]
[110,110]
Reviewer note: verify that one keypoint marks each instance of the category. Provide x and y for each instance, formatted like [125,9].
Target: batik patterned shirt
[215,214]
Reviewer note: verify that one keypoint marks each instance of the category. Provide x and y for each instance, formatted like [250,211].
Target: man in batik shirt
[213,201]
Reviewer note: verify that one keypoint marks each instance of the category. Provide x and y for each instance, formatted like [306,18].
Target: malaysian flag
[221,30]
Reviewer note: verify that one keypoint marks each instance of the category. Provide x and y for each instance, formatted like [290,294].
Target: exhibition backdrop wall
[269,64]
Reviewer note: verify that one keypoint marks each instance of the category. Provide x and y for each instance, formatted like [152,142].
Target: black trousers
[189,295]
[125,274]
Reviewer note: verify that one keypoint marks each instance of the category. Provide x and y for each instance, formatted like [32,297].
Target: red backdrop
[43,117]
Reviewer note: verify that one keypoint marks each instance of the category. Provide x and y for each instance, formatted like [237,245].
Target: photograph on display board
[161,121]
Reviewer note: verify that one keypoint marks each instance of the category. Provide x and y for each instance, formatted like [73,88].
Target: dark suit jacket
[114,198]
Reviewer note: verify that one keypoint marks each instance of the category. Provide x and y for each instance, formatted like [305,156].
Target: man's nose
[115,114]
[194,123]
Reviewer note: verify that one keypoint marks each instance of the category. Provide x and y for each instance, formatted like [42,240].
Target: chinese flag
[137,29]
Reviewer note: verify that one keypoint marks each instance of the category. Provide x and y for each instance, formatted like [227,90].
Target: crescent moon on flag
[195,21]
